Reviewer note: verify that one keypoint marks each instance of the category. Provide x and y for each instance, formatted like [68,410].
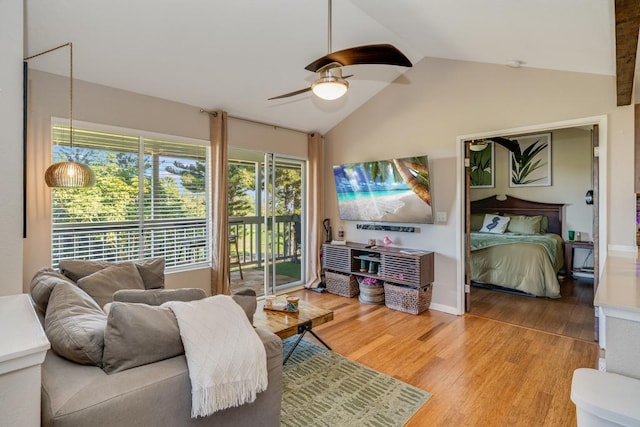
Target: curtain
[315,209]
[219,201]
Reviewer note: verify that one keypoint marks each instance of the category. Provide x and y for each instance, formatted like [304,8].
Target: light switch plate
[441,216]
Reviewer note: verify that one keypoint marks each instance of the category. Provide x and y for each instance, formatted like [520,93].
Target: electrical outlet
[441,216]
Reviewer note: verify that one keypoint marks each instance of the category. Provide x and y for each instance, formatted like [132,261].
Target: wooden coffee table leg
[303,329]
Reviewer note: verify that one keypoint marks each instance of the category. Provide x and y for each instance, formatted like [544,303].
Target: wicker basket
[407,299]
[371,291]
[344,285]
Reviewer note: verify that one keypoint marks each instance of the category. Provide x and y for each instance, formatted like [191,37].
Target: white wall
[11,47]
[48,97]
[445,99]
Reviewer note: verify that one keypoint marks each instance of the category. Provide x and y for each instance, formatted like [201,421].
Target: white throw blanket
[226,358]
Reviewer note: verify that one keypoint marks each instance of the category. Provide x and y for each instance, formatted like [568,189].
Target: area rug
[323,388]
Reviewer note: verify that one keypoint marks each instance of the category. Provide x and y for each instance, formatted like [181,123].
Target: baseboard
[623,251]
[443,308]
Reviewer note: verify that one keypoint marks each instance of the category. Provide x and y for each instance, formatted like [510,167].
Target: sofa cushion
[159,296]
[41,286]
[75,325]
[139,334]
[102,284]
[246,298]
[151,270]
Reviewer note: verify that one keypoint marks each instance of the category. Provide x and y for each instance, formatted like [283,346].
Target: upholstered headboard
[515,206]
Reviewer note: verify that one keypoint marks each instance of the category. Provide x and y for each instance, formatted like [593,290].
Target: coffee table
[286,325]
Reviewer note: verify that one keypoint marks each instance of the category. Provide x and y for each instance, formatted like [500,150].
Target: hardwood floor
[481,372]
[570,315]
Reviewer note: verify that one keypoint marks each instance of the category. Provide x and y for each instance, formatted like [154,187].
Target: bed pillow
[476,222]
[102,284]
[75,325]
[544,224]
[494,224]
[139,334]
[523,224]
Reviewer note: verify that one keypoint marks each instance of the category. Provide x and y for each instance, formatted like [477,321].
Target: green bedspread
[527,263]
[487,240]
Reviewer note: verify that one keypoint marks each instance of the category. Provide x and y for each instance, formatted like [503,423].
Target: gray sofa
[153,394]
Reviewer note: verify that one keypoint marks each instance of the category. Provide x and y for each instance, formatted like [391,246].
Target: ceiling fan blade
[294,93]
[506,143]
[369,54]
[298,92]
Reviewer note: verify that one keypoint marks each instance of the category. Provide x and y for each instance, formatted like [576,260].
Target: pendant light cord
[70,84]
[71,98]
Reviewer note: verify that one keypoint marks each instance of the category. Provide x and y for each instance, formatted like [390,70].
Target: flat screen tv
[396,190]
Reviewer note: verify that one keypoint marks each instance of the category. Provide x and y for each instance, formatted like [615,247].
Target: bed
[527,256]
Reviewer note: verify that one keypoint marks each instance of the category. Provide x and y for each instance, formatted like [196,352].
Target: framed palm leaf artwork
[530,162]
[481,167]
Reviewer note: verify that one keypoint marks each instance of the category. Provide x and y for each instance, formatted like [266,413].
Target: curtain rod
[202,110]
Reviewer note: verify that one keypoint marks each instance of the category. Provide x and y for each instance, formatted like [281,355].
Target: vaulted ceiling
[235,54]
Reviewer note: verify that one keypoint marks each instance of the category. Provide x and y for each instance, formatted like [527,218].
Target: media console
[401,266]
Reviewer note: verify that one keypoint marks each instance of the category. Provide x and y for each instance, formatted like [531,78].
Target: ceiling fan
[331,84]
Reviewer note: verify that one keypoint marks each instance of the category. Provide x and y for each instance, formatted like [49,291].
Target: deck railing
[249,232]
[180,242]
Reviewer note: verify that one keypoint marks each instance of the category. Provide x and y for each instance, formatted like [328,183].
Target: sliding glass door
[266,221]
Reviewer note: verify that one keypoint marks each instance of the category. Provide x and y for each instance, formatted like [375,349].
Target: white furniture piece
[611,398]
[22,351]
[618,302]
[605,399]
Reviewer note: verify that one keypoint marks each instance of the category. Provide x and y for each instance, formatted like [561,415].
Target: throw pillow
[151,270]
[523,224]
[494,224]
[75,325]
[139,334]
[102,284]
[158,296]
[41,286]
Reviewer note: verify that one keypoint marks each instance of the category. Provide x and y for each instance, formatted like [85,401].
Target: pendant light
[478,145]
[68,174]
[330,85]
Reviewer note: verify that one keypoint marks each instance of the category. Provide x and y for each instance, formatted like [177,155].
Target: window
[150,199]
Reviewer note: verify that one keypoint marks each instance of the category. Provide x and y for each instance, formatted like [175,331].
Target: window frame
[141,135]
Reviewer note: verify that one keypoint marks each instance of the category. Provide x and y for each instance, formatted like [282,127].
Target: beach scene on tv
[394,190]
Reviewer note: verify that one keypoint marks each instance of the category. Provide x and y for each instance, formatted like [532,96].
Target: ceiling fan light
[69,175]
[330,87]
[478,145]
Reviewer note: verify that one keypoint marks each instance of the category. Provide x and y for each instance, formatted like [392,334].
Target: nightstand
[569,246]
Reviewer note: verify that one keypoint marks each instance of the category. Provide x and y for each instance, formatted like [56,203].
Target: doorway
[266,221]
[577,290]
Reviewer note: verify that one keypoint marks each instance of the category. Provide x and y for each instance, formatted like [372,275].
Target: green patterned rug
[322,388]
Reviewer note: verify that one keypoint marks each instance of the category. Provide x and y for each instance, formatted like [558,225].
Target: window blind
[150,200]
